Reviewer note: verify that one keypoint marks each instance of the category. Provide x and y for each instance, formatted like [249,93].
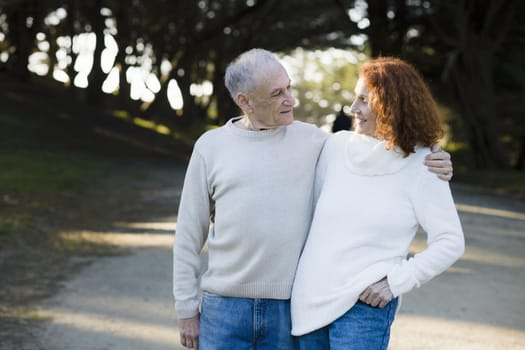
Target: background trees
[167,58]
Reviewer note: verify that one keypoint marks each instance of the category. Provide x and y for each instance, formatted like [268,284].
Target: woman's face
[364,116]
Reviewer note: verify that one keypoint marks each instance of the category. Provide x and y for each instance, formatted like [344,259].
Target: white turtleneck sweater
[370,203]
[261,185]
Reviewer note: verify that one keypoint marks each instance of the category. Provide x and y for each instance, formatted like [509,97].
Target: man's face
[365,118]
[272,101]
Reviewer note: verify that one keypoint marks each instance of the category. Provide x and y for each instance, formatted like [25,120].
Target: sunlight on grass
[454,147]
[11,221]
[162,129]
[26,313]
[151,125]
[120,114]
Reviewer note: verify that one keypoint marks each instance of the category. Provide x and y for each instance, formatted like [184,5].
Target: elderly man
[255,174]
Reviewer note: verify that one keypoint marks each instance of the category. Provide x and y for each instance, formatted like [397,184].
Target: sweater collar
[365,155]
[250,133]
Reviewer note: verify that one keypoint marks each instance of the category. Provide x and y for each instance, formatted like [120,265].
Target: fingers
[436,148]
[438,163]
[442,173]
[364,296]
[370,297]
[189,332]
[377,294]
[375,301]
[446,177]
[437,154]
[190,342]
[440,170]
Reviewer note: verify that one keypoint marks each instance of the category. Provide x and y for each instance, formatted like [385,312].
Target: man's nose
[289,98]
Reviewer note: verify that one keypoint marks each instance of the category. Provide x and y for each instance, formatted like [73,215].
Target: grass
[33,181]
[509,182]
[44,172]
[35,177]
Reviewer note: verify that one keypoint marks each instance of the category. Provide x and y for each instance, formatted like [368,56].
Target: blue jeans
[363,327]
[228,323]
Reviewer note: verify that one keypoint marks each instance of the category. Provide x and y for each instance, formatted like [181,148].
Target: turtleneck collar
[366,155]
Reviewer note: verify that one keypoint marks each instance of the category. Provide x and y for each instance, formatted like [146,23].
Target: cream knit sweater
[370,204]
[260,184]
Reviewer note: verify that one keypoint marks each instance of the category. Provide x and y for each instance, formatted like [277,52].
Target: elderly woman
[373,192]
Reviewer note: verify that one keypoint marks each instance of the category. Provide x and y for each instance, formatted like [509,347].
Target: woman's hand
[377,294]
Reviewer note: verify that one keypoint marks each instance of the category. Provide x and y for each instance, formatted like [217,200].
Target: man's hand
[189,332]
[377,294]
[439,162]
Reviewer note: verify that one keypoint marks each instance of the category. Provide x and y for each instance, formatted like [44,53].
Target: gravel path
[125,302]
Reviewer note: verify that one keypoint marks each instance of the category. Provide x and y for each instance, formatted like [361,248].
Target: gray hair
[240,72]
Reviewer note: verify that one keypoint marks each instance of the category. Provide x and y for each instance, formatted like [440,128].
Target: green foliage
[324,81]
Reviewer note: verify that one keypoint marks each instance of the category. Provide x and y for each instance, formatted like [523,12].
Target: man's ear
[243,102]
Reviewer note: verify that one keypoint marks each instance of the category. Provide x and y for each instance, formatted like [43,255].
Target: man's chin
[287,119]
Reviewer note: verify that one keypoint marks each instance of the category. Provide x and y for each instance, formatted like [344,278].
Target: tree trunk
[226,107]
[385,36]
[471,68]
[473,84]
[520,162]
[124,39]
[96,76]
[21,36]
[72,15]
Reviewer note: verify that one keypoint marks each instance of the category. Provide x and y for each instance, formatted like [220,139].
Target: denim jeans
[228,323]
[363,327]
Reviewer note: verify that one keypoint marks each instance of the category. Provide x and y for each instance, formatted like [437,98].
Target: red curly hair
[406,114]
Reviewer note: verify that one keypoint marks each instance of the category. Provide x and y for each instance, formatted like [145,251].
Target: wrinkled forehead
[270,77]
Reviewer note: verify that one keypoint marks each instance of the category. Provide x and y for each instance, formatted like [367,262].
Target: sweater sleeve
[191,233]
[320,172]
[436,213]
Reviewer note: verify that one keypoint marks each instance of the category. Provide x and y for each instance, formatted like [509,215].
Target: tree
[472,43]
[23,18]
[469,44]
[480,28]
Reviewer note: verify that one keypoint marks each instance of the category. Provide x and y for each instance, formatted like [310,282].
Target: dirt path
[125,302]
